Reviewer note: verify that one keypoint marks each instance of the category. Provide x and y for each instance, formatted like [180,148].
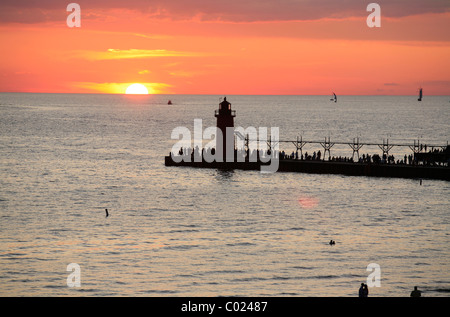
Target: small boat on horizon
[334,98]
[420,94]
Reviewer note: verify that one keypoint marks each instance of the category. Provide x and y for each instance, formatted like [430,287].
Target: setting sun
[137,89]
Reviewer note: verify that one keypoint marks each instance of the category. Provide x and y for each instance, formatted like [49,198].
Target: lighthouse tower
[225,119]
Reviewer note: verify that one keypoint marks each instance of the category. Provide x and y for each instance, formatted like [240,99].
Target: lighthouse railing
[231,112]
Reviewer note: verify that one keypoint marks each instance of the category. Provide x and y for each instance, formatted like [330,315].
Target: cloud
[181,73]
[391,84]
[120,88]
[132,53]
[25,11]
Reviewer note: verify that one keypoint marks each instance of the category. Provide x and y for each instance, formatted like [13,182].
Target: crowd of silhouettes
[410,159]
[252,155]
[432,158]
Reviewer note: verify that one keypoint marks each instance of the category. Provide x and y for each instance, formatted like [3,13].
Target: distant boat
[169,102]
[420,95]
[334,98]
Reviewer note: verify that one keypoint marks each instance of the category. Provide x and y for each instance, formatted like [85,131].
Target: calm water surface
[190,232]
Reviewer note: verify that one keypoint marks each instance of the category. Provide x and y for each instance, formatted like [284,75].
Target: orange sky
[224,47]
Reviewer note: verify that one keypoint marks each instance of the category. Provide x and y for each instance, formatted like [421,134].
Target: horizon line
[205,94]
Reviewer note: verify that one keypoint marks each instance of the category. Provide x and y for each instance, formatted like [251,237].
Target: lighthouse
[225,119]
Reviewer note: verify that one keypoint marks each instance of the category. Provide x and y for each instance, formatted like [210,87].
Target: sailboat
[420,95]
[334,98]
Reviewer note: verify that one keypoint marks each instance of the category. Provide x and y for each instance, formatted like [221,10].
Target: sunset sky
[303,47]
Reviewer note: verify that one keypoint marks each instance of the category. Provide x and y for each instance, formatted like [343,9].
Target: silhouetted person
[363,290]
[107,214]
[416,292]
[332,242]
[366,291]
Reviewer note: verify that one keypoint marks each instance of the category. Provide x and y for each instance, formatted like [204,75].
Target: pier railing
[421,152]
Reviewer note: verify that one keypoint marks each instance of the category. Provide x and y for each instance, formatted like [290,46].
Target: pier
[426,161]
[330,167]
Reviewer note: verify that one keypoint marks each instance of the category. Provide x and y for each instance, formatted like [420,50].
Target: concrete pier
[330,167]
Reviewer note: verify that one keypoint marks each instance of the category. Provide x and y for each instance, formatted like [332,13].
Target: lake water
[204,232]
